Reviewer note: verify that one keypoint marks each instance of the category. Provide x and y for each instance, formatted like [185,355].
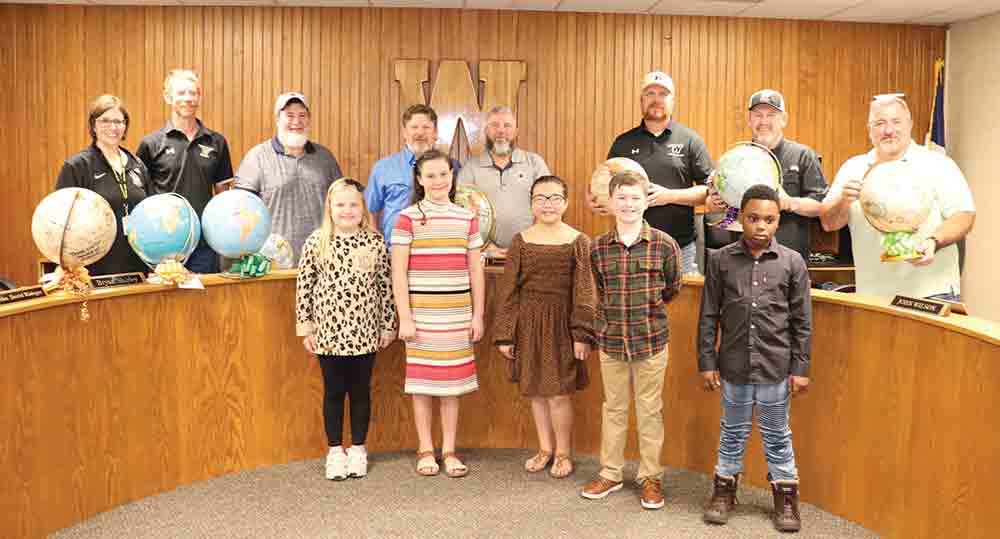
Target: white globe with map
[601,178]
[473,198]
[744,165]
[893,199]
[74,227]
[236,223]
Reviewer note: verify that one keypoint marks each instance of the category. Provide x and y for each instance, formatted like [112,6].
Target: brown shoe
[786,506]
[723,499]
[651,496]
[599,488]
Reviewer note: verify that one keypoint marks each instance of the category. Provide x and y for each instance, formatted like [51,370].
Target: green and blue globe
[163,227]
[236,223]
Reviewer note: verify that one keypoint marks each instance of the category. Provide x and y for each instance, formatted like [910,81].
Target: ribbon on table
[75,281]
[169,272]
[255,265]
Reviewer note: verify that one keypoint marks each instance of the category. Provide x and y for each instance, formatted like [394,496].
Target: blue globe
[236,223]
[163,227]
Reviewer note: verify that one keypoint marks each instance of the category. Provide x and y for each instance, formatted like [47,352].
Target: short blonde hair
[183,74]
[884,101]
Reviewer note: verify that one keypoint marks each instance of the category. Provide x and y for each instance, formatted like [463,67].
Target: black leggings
[347,376]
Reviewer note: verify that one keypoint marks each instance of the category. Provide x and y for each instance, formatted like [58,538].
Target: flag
[935,133]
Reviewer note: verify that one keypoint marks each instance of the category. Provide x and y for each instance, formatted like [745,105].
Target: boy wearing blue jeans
[758,292]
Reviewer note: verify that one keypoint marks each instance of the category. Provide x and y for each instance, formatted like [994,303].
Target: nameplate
[921,305]
[21,294]
[118,279]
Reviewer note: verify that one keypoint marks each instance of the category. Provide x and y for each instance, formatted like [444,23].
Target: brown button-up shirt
[763,306]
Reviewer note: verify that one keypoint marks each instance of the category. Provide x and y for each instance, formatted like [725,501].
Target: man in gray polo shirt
[290,173]
[505,173]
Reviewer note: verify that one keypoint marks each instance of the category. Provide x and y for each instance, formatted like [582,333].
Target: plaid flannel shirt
[634,285]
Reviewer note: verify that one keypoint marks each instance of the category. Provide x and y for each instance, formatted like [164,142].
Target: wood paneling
[580,91]
[891,433]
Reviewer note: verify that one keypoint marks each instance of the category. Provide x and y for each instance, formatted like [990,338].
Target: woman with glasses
[110,170]
[545,321]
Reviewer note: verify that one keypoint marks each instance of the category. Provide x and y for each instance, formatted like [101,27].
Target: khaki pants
[646,377]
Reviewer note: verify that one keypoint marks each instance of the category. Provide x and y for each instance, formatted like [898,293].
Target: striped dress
[439,360]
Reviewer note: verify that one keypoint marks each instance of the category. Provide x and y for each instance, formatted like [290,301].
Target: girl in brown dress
[545,321]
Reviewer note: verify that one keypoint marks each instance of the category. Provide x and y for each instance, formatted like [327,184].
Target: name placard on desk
[21,294]
[117,279]
[926,306]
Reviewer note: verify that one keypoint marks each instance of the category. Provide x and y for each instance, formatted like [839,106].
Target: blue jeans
[203,260]
[689,259]
[772,403]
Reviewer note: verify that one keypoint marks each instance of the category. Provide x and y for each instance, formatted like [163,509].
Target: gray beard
[292,140]
[503,149]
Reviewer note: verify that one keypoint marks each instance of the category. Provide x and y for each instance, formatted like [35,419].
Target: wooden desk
[166,387]
[831,274]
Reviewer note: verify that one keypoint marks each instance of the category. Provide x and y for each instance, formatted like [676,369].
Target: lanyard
[120,180]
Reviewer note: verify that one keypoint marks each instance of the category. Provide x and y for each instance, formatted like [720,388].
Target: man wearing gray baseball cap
[290,173]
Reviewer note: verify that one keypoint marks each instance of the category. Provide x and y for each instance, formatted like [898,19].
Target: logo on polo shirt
[635,151]
[99,175]
[136,180]
[675,150]
[206,151]
[169,151]
[794,168]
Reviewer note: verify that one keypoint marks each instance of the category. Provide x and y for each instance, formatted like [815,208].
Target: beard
[502,148]
[292,140]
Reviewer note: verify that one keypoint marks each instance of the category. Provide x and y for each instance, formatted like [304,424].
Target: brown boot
[786,506]
[723,499]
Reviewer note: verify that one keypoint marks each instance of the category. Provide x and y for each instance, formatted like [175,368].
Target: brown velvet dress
[546,300]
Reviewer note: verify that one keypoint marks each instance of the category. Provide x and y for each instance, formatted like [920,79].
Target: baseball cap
[767,97]
[658,78]
[286,98]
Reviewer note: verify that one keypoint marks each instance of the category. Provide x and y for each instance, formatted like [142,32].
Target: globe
[163,227]
[892,198]
[600,180]
[471,197]
[74,227]
[744,165]
[236,223]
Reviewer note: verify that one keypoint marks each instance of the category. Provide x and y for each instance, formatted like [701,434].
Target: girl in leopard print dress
[345,312]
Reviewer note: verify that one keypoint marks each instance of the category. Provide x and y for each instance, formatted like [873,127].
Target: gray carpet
[496,499]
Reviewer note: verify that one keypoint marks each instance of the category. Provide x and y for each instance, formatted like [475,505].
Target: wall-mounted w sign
[454,97]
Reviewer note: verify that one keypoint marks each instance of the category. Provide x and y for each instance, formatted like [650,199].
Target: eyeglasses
[654,95]
[108,122]
[552,199]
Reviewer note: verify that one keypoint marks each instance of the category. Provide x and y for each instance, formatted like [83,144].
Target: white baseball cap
[658,78]
[288,97]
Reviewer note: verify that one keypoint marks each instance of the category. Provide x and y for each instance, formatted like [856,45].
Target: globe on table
[162,228]
[471,197]
[895,203]
[236,223]
[74,227]
[601,178]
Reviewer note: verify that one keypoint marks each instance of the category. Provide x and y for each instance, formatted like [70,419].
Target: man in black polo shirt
[187,158]
[801,174]
[676,160]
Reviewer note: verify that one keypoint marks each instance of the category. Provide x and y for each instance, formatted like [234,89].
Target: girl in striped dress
[438,283]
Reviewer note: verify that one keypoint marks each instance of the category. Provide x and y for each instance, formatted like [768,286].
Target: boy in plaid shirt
[637,272]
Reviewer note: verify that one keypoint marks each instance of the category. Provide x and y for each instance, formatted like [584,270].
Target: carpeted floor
[496,499]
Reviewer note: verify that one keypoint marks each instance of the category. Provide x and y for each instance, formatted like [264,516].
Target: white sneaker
[336,465]
[357,463]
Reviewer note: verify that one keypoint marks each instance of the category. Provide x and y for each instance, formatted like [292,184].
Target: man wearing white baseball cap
[290,173]
[676,160]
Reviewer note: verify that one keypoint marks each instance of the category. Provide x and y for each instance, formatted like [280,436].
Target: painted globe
[163,227]
[742,166]
[471,197]
[601,178]
[74,227]
[893,199]
[236,223]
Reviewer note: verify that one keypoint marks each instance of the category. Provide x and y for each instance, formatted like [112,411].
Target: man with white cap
[951,216]
[676,160]
[290,173]
[801,173]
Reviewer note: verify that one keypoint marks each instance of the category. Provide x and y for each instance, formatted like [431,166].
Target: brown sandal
[426,463]
[453,465]
[562,467]
[538,462]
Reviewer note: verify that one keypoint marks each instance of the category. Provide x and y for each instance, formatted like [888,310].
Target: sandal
[453,465]
[426,463]
[538,462]
[562,467]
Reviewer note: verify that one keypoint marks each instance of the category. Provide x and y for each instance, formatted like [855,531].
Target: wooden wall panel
[581,87]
